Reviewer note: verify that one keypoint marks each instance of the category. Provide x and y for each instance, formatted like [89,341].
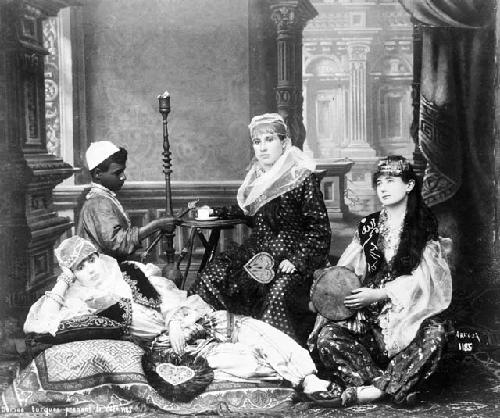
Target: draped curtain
[456,135]
[456,93]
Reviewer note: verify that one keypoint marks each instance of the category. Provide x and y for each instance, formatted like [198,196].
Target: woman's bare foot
[361,394]
[313,383]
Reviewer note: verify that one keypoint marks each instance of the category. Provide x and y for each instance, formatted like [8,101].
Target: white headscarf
[288,172]
[80,300]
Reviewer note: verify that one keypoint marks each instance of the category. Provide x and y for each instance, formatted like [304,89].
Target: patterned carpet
[466,388]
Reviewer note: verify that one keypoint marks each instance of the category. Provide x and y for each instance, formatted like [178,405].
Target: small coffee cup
[204,212]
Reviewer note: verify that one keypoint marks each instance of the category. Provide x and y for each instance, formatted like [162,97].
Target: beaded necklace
[389,236]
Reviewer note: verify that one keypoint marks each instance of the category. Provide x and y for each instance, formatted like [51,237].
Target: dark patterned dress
[354,353]
[301,235]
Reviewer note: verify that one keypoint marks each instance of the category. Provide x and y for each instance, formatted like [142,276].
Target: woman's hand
[287,267]
[364,296]
[176,335]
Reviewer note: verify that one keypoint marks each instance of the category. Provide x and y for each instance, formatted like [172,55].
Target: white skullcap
[98,152]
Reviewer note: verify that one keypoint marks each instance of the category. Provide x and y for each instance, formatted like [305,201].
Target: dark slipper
[327,398]
[409,401]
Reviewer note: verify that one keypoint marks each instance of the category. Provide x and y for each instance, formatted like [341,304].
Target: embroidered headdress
[393,165]
[73,250]
[275,123]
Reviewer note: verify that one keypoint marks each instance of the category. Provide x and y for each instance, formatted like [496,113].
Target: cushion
[85,327]
[178,378]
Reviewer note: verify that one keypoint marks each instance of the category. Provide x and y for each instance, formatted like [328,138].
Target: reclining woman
[94,284]
[395,340]
[269,276]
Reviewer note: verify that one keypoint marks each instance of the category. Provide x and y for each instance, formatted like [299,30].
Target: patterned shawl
[288,172]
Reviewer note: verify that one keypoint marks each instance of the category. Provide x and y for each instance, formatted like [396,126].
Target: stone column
[357,130]
[290,17]
[29,225]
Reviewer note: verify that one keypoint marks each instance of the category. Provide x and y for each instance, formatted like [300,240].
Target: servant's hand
[164,223]
[364,296]
[287,267]
[176,335]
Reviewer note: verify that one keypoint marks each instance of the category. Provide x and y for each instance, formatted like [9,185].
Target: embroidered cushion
[178,378]
[85,327]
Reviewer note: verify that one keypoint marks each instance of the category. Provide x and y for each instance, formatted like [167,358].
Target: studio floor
[466,388]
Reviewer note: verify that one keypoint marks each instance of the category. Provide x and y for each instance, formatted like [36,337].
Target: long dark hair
[420,225]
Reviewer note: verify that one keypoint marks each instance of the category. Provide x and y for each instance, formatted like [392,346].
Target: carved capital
[291,15]
[357,52]
[284,18]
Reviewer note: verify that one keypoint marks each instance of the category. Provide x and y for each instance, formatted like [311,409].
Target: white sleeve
[354,258]
[40,320]
[415,297]
[428,286]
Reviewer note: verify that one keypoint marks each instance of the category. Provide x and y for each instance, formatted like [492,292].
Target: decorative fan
[260,267]
[178,378]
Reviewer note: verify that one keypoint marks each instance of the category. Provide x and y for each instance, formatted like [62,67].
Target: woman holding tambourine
[393,339]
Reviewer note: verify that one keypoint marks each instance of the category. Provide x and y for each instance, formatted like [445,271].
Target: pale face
[393,191]
[267,146]
[87,271]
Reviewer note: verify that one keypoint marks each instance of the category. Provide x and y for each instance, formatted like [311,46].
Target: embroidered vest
[368,231]
[143,292]
[120,312]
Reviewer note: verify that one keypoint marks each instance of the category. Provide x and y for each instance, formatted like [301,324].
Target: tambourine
[331,286]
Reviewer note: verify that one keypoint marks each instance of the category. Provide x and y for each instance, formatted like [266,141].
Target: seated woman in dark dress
[395,340]
[269,276]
